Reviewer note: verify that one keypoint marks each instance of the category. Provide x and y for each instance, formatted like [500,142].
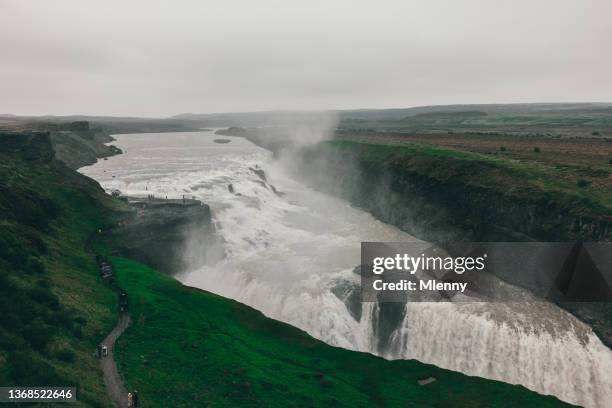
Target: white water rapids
[285,253]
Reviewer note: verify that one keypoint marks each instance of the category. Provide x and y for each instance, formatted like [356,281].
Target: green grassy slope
[53,306]
[188,347]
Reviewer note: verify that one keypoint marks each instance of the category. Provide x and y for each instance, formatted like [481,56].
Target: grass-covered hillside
[186,347]
[53,306]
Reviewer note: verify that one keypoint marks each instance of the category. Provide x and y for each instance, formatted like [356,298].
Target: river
[287,253]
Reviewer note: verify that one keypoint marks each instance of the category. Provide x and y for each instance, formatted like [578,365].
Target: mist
[290,251]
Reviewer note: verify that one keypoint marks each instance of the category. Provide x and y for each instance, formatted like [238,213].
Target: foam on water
[285,253]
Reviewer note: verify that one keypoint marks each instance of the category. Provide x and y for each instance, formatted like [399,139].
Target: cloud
[159,58]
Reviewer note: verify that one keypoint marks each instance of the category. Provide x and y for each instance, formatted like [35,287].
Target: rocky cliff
[168,235]
[437,196]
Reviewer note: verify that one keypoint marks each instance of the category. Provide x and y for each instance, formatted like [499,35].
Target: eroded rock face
[168,235]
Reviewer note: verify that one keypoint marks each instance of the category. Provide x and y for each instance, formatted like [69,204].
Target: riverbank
[185,345]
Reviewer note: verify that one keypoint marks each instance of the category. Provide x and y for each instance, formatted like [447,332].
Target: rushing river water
[285,254]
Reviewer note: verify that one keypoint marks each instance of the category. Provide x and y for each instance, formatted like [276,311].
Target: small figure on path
[135,398]
[130,401]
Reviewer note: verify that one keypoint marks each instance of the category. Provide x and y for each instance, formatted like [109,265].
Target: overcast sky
[154,58]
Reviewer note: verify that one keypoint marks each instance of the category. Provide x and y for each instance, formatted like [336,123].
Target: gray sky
[159,58]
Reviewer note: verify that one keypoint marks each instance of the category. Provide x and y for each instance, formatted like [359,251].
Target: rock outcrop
[168,235]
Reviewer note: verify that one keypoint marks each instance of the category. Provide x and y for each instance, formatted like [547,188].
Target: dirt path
[112,379]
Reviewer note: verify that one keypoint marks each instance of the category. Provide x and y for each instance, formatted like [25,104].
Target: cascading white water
[285,253]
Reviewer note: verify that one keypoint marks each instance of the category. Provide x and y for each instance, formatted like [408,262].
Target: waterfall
[534,344]
[291,253]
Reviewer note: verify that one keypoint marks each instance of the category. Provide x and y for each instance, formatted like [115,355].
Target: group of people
[132,399]
[101,351]
[123,302]
[106,272]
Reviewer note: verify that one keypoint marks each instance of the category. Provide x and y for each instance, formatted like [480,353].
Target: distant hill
[400,118]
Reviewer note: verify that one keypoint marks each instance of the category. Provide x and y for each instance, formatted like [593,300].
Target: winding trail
[112,379]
